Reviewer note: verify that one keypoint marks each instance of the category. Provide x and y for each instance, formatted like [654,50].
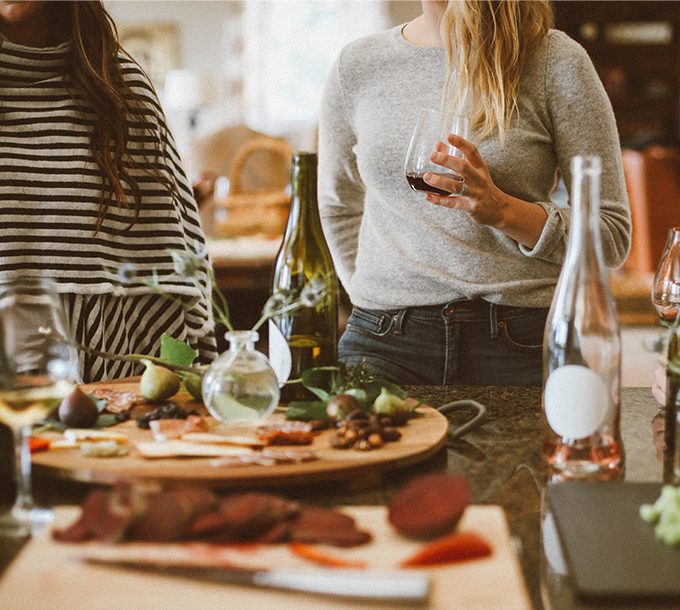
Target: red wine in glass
[433,127]
[418,183]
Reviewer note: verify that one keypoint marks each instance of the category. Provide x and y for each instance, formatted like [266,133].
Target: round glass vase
[240,386]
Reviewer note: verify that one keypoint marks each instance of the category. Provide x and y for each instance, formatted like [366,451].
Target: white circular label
[575,400]
[280,357]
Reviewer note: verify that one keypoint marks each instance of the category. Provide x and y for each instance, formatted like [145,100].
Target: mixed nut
[365,432]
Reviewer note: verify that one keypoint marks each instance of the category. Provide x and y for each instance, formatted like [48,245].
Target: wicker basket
[259,211]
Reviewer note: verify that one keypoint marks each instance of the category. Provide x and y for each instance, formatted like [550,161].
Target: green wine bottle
[308,336]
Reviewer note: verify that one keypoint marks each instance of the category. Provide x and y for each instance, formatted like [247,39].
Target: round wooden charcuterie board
[422,437]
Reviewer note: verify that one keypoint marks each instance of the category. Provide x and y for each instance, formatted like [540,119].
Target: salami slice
[429,505]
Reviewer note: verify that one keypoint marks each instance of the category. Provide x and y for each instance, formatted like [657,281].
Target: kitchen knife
[351,583]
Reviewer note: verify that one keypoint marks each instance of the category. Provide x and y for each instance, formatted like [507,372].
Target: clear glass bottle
[307,337]
[582,349]
[240,385]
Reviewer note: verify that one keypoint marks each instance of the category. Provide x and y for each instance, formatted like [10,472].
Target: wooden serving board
[48,574]
[422,437]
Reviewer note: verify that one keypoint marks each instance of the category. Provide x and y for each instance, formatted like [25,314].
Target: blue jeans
[459,343]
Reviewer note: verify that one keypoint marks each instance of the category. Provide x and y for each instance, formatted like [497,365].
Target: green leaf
[100,402]
[106,420]
[394,389]
[319,380]
[307,410]
[49,423]
[177,352]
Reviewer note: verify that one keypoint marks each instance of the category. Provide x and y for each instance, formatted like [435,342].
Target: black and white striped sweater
[50,191]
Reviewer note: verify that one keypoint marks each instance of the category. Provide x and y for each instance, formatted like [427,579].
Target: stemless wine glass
[666,288]
[37,369]
[433,126]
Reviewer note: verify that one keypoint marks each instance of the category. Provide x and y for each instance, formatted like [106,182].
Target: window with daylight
[288,48]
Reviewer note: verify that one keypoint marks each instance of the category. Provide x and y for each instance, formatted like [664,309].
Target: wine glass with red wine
[433,126]
[666,288]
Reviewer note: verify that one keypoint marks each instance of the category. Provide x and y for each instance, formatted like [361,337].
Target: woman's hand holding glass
[480,199]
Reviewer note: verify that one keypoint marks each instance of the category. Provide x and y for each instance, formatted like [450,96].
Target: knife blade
[395,587]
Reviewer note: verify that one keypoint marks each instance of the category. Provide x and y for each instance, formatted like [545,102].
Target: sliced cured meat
[123,513]
[243,516]
[126,514]
[105,516]
[429,505]
[170,429]
[268,457]
[167,515]
[321,525]
[118,402]
[287,433]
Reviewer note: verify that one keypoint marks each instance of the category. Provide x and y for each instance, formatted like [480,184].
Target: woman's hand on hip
[482,200]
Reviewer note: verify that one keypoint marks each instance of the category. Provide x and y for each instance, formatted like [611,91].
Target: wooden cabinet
[635,47]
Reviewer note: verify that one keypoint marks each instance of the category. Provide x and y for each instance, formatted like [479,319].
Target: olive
[78,410]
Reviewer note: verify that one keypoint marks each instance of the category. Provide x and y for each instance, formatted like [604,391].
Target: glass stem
[22,465]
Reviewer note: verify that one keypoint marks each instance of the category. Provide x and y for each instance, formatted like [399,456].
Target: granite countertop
[501,459]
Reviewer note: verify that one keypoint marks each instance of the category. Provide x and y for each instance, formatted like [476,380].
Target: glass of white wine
[37,369]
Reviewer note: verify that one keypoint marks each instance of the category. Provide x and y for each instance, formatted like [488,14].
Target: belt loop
[493,320]
[399,320]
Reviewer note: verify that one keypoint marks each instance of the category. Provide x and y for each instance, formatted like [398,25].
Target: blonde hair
[488,43]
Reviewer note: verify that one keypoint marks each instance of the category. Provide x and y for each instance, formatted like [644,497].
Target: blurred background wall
[261,63]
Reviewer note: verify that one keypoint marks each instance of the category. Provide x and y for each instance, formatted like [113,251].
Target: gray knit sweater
[394,249]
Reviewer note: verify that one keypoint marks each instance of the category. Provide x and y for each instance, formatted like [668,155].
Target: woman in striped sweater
[90,182]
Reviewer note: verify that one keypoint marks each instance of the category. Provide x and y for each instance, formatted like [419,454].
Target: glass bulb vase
[240,386]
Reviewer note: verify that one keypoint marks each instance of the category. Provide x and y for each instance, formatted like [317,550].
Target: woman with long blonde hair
[455,288]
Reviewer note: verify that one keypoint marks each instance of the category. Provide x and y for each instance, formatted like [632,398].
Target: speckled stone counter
[501,459]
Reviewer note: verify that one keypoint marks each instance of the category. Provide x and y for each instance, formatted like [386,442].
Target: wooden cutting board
[422,437]
[609,550]
[50,575]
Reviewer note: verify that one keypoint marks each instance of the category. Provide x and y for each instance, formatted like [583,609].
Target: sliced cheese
[102,448]
[78,435]
[178,448]
[63,443]
[218,439]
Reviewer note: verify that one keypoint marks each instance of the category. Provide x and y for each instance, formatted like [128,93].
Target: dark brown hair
[94,70]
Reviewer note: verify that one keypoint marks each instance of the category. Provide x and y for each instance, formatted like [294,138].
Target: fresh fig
[78,410]
[389,404]
[193,383]
[158,383]
[341,406]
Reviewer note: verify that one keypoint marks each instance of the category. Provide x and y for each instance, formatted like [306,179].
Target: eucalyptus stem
[139,358]
[221,307]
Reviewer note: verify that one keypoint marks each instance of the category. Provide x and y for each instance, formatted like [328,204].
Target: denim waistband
[479,306]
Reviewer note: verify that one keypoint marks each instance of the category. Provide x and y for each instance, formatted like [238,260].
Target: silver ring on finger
[463,189]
